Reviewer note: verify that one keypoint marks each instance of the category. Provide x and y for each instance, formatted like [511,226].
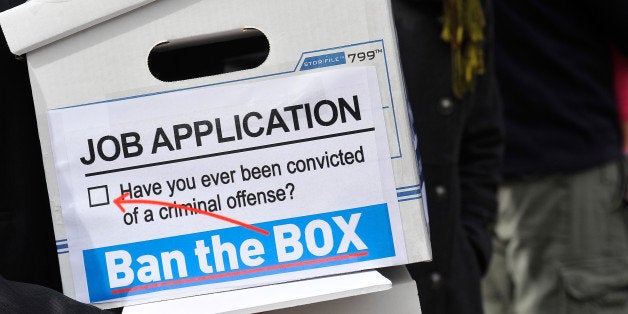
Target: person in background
[447,61]
[561,239]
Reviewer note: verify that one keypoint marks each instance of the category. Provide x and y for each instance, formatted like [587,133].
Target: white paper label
[254,181]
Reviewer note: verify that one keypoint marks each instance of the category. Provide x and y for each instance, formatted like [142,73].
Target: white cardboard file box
[299,168]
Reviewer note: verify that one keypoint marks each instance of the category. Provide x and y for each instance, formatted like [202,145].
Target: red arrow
[121,200]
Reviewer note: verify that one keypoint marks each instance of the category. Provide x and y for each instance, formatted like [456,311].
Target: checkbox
[98,195]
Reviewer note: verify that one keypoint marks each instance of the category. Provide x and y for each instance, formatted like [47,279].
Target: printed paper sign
[227,186]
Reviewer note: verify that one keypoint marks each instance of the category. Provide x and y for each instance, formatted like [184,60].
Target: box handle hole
[189,58]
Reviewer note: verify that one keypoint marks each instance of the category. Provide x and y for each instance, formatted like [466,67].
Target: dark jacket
[25,221]
[460,147]
[556,75]
[29,270]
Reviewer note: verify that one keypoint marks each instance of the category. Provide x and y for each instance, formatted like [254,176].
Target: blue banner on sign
[323,61]
[308,242]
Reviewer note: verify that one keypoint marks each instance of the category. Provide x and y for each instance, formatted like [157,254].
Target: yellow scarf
[463,29]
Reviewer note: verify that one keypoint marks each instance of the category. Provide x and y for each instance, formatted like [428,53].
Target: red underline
[240,272]
[192,209]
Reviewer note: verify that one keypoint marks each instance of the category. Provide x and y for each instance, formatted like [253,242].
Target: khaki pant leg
[556,241]
[527,237]
[594,270]
[497,284]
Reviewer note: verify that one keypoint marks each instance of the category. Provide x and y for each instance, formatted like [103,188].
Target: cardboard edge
[275,296]
[416,238]
[29,26]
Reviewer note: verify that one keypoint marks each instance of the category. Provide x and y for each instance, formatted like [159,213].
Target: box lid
[37,23]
